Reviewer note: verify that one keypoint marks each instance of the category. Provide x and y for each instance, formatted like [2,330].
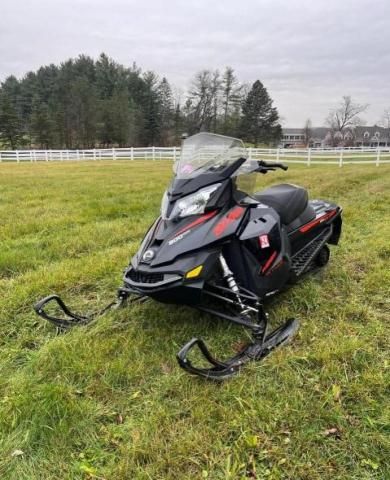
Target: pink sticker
[186,169]
[264,242]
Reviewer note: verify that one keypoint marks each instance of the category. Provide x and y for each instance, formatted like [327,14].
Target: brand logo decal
[148,255]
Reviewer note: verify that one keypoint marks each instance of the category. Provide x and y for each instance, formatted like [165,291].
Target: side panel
[325,213]
[261,257]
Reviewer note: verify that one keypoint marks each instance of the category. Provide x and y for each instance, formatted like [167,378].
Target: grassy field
[108,401]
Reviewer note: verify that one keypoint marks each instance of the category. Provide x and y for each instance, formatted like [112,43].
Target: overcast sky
[307,53]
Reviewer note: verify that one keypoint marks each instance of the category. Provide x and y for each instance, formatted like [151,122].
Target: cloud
[308,54]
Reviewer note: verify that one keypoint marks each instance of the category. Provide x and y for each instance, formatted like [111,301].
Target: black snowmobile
[223,249]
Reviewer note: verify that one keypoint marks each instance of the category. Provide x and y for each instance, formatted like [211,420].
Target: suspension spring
[231,281]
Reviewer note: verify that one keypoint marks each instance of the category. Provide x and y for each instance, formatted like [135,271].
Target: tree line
[83,103]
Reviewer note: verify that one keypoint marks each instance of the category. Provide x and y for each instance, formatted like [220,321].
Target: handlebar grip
[278,165]
[270,165]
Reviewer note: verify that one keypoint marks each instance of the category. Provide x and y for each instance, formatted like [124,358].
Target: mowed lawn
[108,401]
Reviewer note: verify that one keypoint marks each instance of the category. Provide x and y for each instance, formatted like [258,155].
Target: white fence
[310,156]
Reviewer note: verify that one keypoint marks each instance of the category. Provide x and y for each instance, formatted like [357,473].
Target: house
[371,136]
[359,136]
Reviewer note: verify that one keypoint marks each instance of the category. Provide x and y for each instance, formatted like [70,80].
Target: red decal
[196,222]
[233,215]
[268,263]
[278,265]
[317,221]
[264,241]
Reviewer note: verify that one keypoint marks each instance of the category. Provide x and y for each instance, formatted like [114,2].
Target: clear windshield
[207,152]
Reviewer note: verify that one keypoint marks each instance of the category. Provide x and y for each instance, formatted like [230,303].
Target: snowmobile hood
[167,240]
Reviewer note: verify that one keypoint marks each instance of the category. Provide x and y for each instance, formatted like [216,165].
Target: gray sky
[307,53]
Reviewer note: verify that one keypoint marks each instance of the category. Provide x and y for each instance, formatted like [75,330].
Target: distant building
[324,137]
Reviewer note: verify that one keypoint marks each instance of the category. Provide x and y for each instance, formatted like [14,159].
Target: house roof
[293,131]
[357,132]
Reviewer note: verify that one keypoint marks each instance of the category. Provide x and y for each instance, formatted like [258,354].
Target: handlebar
[271,166]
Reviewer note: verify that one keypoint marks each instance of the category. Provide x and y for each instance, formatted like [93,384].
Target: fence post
[308,157]
[77,154]
[250,153]
[31,156]
[0,158]
[378,156]
[114,154]
[174,154]
[17,156]
[94,153]
[341,159]
[278,154]
[61,157]
[46,156]
[83,153]
[132,153]
[153,153]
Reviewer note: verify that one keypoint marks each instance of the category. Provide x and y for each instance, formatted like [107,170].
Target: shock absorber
[231,281]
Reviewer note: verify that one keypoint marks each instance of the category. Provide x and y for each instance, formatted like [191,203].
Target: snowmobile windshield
[207,153]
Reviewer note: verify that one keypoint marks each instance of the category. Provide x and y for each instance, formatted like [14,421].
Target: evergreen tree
[41,126]
[178,125]
[259,118]
[151,104]
[83,113]
[10,122]
[164,92]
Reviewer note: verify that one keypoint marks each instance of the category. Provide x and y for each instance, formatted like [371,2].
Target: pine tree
[42,126]
[178,125]
[82,112]
[164,92]
[151,104]
[11,131]
[259,118]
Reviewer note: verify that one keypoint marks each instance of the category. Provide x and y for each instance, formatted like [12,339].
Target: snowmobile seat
[289,201]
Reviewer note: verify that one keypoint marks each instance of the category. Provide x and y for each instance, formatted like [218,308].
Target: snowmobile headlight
[195,203]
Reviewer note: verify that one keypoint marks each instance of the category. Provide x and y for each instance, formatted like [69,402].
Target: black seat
[288,200]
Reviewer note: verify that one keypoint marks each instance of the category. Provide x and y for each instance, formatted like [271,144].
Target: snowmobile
[222,248]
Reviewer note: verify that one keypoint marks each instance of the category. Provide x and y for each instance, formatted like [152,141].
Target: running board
[302,259]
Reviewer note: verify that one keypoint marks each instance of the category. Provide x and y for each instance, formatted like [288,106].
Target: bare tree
[345,115]
[385,120]
[203,101]
[307,132]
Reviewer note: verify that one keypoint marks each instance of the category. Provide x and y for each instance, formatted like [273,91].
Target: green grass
[108,400]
